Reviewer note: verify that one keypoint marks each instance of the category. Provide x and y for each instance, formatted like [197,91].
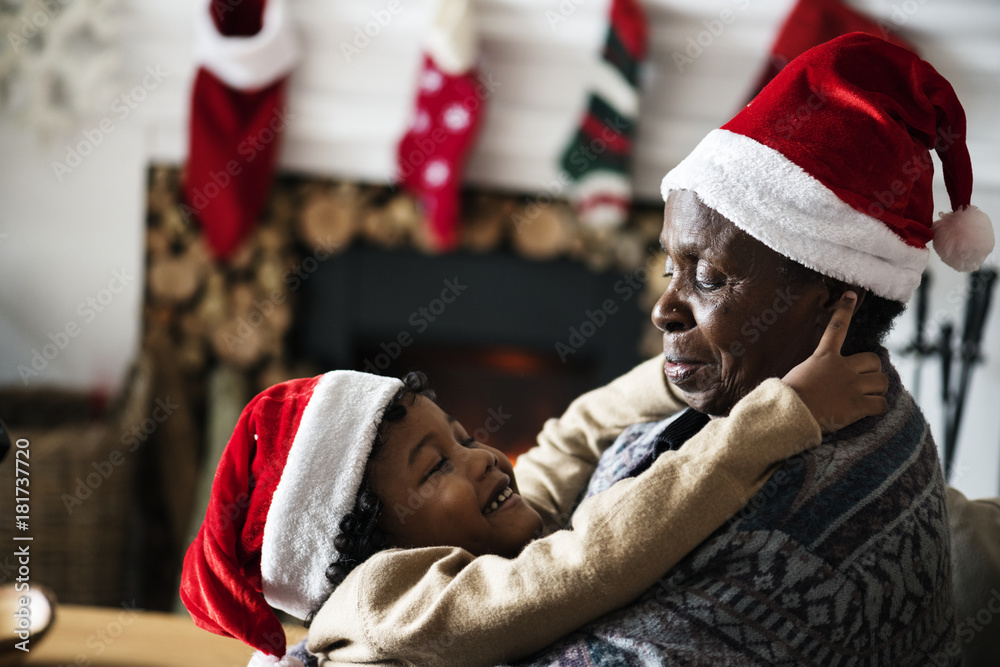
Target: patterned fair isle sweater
[842,558]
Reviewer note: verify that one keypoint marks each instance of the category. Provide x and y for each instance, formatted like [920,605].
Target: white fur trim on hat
[248,63]
[324,469]
[774,200]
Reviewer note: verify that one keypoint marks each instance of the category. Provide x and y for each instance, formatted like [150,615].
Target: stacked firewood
[237,312]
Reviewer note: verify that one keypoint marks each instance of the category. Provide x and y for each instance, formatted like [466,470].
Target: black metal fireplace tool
[966,356]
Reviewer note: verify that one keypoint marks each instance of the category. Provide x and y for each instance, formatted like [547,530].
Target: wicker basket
[81,491]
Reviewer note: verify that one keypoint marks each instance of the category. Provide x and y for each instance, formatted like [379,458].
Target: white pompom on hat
[830,166]
[963,238]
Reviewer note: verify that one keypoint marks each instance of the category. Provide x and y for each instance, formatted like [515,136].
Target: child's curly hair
[360,536]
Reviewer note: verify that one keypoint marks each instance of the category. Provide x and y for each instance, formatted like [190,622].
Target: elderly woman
[842,557]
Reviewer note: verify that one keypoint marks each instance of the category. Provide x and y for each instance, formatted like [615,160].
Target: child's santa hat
[830,166]
[290,473]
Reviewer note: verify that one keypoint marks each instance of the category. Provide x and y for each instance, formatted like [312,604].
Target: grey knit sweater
[842,558]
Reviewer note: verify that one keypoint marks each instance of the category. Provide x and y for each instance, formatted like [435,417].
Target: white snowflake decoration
[58,60]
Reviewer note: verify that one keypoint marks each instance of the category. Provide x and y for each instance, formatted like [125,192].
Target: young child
[327,473]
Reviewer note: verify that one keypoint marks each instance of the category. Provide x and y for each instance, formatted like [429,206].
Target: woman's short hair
[871,323]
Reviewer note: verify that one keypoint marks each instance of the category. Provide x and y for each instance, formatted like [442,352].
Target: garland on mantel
[238,312]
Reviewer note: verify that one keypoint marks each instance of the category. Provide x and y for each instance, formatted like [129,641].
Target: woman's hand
[840,390]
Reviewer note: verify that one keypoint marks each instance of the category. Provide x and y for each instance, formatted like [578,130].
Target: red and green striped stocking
[598,159]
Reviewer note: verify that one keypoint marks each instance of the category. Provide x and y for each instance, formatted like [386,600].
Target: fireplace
[505,341]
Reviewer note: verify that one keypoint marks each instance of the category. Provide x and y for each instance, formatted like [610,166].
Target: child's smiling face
[439,486]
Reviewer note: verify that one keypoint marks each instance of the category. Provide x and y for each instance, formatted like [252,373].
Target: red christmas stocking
[449,105]
[599,157]
[814,22]
[246,51]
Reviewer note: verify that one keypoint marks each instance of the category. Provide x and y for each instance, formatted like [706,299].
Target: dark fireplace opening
[506,342]
[501,395]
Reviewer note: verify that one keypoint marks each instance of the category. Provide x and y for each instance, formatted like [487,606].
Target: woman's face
[442,488]
[730,318]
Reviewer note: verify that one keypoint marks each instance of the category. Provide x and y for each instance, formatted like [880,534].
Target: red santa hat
[291,471]
[830,166]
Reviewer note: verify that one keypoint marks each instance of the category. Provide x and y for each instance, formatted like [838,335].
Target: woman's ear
[834,291]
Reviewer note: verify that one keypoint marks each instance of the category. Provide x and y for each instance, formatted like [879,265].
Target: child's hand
[840,390]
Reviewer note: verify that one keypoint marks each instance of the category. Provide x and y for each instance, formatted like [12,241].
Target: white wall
[65,238]
[62,244]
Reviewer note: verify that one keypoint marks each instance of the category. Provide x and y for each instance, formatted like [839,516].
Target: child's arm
[551,475]
[442,606]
